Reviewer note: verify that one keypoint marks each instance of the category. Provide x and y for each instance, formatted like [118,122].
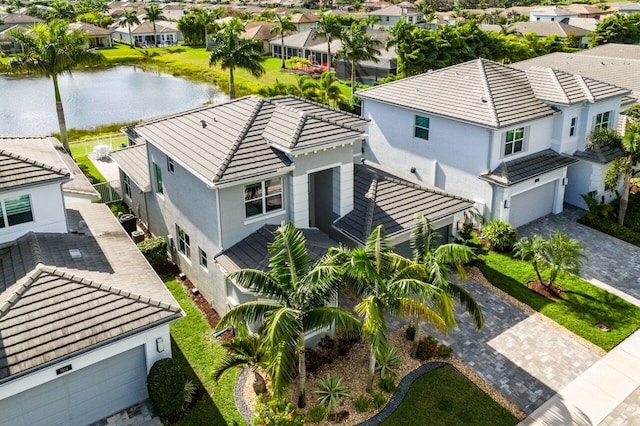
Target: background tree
[128,18]
[299,292]
[305,87]
[233,52]
[330,29]
[62,10]
[52,50]
[357,45]
[329,89]
[618,28]
[154,14]
[207,19]
[283,27]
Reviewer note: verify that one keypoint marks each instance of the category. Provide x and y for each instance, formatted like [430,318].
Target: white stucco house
[512,141]
[83,317]
[405,11]
[552,14]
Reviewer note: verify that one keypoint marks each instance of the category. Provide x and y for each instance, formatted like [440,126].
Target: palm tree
[621,167]
[61,9]
[233,52]
[330,29]
[207,18]
[329,90]
[530,249]
[154,14]
[388,284]
[439,263]
[129,17]
[278,89]
[51,50]
[282,28]
[357,45]
[299,293]
[305,87]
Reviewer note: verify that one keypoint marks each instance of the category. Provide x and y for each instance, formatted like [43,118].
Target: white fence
[85,146]
[109,191]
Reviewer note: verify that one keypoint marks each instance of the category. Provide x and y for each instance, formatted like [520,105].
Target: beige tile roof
[134,162]
[543,29]
[17,171]
[395,10]
[262,31]
[90,30]
[304,18]
[480,91]
[553,11]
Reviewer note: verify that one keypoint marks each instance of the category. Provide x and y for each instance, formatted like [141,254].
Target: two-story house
[512,141]
[216,180]
[405,11]
[552,14]
[83,316]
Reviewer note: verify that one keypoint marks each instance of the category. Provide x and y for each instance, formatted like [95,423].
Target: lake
[92,98]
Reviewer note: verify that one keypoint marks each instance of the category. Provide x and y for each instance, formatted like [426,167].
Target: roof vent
[75,253]
[204,124]
[484,100]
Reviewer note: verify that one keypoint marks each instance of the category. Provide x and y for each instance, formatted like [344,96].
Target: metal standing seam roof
[252,252]
[384,199]
[17,171]
[134,162]
[480,91]
[515,171]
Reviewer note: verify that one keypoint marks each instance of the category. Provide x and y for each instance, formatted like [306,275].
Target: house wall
[580,176]
[138,202]
[538,137]
[48,210]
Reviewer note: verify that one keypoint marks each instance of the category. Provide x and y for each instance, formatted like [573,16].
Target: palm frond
[413,308]
[259,281]
[246,313]
[325,317]
[468,303]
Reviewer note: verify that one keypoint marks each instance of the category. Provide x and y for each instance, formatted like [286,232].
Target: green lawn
[582,307]
[197,350]
[446,397]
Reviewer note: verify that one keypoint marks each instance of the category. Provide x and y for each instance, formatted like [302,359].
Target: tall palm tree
[357,45]
[154,14]
[621,167]
[388,284]
[61,9]
[439,263]
[330,29]
[207,18]
[283,27]
[329,90]
[128,18]
[299,293]
[233,52]
[51,50]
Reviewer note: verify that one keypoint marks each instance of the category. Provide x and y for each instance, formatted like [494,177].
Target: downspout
[220,246]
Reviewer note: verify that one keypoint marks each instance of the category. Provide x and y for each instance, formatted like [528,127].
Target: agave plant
[331,390]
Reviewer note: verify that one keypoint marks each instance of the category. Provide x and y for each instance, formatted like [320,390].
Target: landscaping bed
[630,232]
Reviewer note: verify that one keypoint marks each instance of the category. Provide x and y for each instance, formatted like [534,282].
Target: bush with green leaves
[500,236]
[330,391]
[427,348]
[362,403]
[277,412]
[410,333]
[378,399]
[167,387]
[154,250]
[316,414]
[388,384]
[387,359]
[444,351]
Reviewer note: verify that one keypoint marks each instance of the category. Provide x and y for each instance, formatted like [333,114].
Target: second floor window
[158,175]
[262,197]
[184,244]
[572,127]
[602,121]
[421,129]
[14,211]
[126,185]
[170,165]
[203,258]
[514,141]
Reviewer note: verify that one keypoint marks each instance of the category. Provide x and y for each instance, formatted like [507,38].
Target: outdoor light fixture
[160,344]
[507,204]
[565,181]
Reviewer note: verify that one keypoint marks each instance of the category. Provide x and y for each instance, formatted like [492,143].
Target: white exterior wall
[538,137]
[47,205]
[542,16]
[147,338]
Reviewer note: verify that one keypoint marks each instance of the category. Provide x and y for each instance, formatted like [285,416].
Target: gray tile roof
[564,88]
[479,91]
[252,252]
[515,171]
[599,154]
[134,162]
[17,171]
[381,198]
[229,141]
[544,29]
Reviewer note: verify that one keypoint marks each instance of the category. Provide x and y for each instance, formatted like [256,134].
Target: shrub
[410,333]
[610,227]
[427,348]
[388,384]
[331,390]
[500,235]
[316,414]
[387,360]
[444,351]
[166,385]
[155,250]
[277,413]
[378,399]
[362,403]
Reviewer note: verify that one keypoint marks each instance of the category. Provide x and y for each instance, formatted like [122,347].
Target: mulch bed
[553,293]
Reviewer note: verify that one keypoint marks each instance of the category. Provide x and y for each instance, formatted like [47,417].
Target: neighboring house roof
[262,31]
[50,151]
[300,40]
[381,198]
[18,18]
[599,154]
[629,7]
[134,162]
[588,24]
[585,9]
[557,86]
[482,92]
[304,18]
[162,27]
[229,141]
[544,29]
[613,50]
[91,30]
[552,11]
[395,10]
[515,171]
[252,252]
[17,171]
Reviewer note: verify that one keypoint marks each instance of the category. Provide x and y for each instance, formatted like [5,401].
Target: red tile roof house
[83,316]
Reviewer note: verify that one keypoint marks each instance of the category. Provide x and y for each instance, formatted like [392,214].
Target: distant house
[305,21]
[98,37]
[587,11]
[14,22]
[560,29]
[403,11]
[166,32]
[82,314]
[259,31]
[552,14]
[628,8]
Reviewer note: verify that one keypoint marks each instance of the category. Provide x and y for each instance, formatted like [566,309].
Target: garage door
[532,204]
[81,397]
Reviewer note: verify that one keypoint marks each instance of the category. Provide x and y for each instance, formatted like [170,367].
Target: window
[263,197]
[14,211]
[159,187]
[572,127]
[387,18]
[184,245]
[126,185]
[421,129]
[202,255]
[514,141]
[603,120]
[170,165]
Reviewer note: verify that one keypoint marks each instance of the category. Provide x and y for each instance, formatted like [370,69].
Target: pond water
[92,98]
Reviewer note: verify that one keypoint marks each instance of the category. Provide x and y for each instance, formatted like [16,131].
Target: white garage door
[81,397]
[532,204]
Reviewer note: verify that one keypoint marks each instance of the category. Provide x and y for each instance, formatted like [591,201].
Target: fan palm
[388,284]
[154,14]
[129,17]
[299,293]
[357,45]
[51,50]
[439,263]
[330,29]
[233,52]
[283,27]
[329,90]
